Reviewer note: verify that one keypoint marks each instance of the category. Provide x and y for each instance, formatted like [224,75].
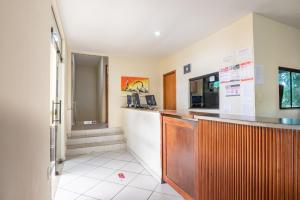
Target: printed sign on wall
[237,88]
[233,90]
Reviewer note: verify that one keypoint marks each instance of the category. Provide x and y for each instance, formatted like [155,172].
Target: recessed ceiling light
[157,33]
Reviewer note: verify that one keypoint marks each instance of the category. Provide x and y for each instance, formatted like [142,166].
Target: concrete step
[85,148]
[79,133]
[96,137]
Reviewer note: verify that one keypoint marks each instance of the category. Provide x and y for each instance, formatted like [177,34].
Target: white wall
[262,35]
[120,66]
[124,66]
[275,44]
[86,92]
[101,90]
[24,99]
[206,56]
[142,131]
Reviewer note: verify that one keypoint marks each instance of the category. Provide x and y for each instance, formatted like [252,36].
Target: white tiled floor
[96,176]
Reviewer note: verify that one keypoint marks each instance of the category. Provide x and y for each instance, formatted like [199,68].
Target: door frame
[70,81]
[164,86]
[106,89]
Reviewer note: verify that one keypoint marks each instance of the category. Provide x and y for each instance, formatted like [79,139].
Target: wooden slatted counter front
[215,157]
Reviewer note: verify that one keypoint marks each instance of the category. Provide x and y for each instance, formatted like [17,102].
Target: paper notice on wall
[247,71]
[229,60]
[224,75]
[247,98]
[225,70]
[232,90]
[259,74]
[244,54]
[236,75]
[247,88]
[230,74]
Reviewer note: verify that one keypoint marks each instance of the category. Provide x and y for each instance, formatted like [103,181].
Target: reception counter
[250,120]
[212,156]
[142,130]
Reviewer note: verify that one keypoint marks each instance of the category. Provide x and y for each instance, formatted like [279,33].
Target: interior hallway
[115,175]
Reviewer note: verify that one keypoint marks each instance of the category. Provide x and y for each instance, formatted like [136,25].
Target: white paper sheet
[247,98]
[259,74]
[244,54]
[232,90]
[237,87]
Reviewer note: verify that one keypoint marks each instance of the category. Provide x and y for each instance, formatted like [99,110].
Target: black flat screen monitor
[136,100]
[150,100]
[129,100]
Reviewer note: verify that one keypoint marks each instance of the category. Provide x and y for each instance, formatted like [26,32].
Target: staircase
[96,140]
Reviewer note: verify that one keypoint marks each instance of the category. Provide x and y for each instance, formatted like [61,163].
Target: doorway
[169,80]
[89,91]
[56,104]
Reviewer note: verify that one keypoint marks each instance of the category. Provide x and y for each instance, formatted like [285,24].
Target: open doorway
[89,92]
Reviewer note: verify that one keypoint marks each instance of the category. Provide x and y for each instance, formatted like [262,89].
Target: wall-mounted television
[204,91]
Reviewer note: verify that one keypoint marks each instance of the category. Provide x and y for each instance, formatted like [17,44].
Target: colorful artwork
[134,84]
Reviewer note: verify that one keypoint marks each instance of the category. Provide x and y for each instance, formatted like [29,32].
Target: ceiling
[126,27]
[83,60]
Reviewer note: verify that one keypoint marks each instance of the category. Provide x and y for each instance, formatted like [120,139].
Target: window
[204,91]
[289,88]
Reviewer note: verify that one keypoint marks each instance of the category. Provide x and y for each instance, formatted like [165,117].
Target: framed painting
[134,84]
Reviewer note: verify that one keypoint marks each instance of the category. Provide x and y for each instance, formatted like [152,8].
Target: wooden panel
[180,155]
[247,162]
[170,91]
